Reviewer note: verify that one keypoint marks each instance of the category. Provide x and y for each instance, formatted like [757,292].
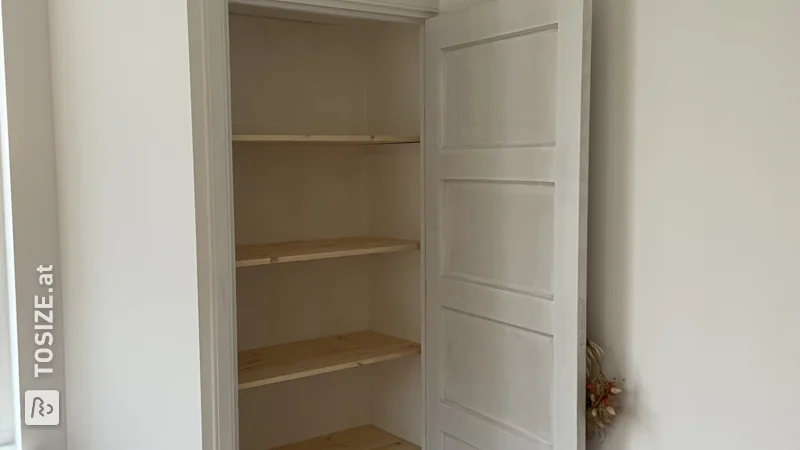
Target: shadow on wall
[609,309]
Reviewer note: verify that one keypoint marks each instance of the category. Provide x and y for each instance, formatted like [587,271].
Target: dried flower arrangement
[602,405]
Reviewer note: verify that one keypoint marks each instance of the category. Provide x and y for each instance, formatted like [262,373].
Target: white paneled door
[506,115]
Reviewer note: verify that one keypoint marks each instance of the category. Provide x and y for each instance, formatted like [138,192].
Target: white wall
[126,204]
[694,220]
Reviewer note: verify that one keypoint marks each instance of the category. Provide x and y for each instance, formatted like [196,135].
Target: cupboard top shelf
[364,139]
[283,252]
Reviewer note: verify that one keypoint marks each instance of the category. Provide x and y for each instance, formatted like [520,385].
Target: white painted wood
[505,158]
[244,9]
[413,11]
[498,371]
[572,169]
[393,103]
[208,46]
[448,6]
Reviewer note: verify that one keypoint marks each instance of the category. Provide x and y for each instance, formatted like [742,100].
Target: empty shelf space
[365,139]
[361,438]
[302,359]
[283,252]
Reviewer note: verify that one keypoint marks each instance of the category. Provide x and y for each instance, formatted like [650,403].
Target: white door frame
[211,124]
[362,9]
[208,48]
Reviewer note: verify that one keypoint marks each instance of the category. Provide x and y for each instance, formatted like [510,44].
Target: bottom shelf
[361,438]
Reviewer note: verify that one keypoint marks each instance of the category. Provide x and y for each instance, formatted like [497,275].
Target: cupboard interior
[328,277]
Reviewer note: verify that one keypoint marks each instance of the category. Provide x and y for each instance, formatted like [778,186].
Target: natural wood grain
[282,252]
[302,359]
[361,438]
[365,139]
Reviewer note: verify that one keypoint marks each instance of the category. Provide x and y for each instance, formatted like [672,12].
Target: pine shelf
[365,139]
[361,438]
[283,252]
[303,359]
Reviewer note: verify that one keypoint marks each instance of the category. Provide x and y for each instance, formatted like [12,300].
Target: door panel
[487,117]
[515,224]
[506,118]
[474,347]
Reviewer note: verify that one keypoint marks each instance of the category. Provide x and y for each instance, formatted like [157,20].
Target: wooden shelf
[302,359]
[365,139]
[361,438]
[283,252]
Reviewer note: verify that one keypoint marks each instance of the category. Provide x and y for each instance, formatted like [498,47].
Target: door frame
[362,9]
[211,131]
[213,168]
